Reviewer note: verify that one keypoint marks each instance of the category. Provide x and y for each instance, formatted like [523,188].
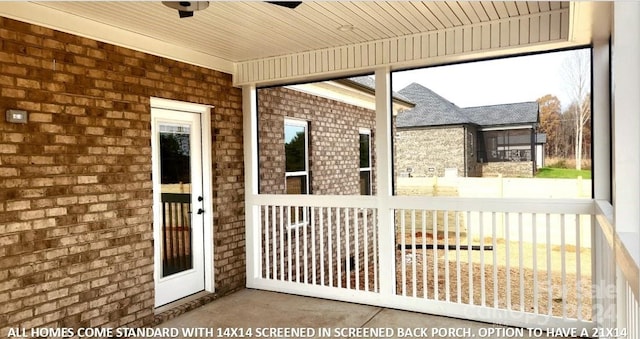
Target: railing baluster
[549,285]
[534,231]
[403,257]
[313,246]
[483,289]
[425,267]
[413,254]
[521,260]
[339,245]
[375,250]
[446,257]
[347,247]
[469,259]
[267,267]
[305,246]
[274,253]
[578,270]
[322,254]
[356,237]
[434,227]
[330,243]
[165,243]
[507,240]
[172,252]
[494,242]
[281,252]
[365,220]
[458,277]
[563,264]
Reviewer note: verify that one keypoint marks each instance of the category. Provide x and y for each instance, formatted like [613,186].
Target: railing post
[252,213]
[386,234]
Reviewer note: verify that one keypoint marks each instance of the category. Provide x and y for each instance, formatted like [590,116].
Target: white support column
[384,166]
[250,141]
[626,116]
[626,126]
[601,110]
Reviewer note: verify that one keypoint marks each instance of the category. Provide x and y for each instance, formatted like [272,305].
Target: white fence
[519,188]
[413,253]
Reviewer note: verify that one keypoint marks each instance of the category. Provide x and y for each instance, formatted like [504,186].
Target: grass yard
[562,173]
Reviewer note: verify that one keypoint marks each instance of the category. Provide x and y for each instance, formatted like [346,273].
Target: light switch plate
[16,116]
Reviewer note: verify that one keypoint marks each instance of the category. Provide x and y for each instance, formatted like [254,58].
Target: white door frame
[207,178]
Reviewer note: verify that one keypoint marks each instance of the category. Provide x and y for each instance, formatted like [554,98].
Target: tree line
[569,131]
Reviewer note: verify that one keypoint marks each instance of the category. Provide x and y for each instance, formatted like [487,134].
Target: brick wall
[334,140]
[75,181]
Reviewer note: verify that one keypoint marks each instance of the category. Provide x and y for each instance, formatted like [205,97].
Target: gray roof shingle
[433,110]
[505,114]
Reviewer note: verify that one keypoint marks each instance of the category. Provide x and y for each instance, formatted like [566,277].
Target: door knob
[200,211]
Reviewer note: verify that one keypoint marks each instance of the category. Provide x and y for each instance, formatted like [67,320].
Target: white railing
[616,275]
[520,262]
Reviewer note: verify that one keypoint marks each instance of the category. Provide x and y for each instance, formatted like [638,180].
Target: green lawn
[562,173]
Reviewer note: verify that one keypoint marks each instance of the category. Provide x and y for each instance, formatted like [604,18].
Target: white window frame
[367,132]
[305,173]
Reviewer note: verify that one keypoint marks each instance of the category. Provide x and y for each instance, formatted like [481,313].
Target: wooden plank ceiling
[241,31]
[261,43]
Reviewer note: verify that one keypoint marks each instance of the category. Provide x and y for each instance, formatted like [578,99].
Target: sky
[500,81]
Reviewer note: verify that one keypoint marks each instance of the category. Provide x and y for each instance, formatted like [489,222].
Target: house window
[365,162]
[296,146]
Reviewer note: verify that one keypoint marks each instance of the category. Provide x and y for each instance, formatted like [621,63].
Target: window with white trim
[365,162]
[296,145]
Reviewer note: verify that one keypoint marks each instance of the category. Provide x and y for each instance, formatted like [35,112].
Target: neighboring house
[438,138]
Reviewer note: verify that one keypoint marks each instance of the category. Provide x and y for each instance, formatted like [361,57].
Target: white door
[178,205]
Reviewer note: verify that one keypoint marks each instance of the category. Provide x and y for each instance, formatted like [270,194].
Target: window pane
[365,182]
[297,185]
[364,151]
[294,138]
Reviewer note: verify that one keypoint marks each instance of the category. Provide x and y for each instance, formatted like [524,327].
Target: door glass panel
[175,179]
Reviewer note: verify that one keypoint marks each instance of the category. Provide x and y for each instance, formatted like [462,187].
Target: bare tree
[577,75]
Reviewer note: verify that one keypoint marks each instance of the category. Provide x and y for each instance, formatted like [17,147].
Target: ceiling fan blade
[288,4]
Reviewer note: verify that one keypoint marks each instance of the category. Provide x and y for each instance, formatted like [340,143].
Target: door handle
[200,211]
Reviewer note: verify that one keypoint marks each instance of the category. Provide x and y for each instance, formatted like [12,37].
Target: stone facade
[76,235]
[435,151]
[427,152]
[513,169]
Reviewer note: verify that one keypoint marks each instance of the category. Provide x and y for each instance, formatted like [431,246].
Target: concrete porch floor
[262,310]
